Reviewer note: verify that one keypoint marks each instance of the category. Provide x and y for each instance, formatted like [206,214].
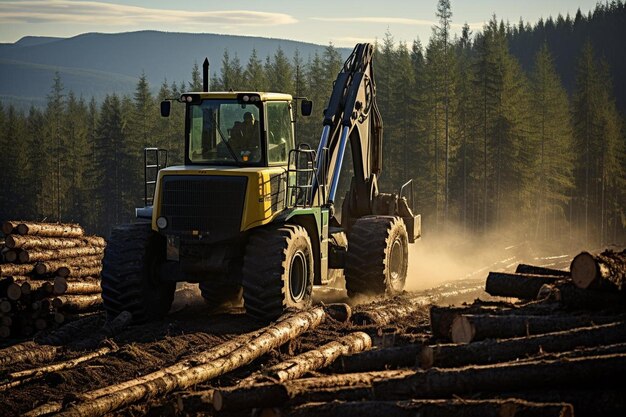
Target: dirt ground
[191,327]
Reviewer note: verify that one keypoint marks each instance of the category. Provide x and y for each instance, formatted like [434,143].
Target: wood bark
[7,270]
[605,271]
[42,255]
[385,315]
[81,272]
[30,242]
[76,303]
[311,360]
[50,267]
[34,354]
[467,328]
[396,357]
[71,363]
[50,229]
[435,382]
[339,311]
[318,389]
[493,351]
[430,408]
[540,270]
[270,338]
[524,286]
[571,297]
[84,286]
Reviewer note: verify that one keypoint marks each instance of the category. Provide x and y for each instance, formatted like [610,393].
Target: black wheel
[129,278]
[377,258]
[277,271]
[217,293]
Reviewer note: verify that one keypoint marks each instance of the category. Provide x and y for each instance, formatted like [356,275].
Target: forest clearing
[510,339]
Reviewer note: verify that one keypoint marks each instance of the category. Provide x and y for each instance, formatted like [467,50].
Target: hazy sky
[319,21]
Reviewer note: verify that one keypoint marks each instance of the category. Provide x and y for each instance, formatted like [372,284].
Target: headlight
[161,222]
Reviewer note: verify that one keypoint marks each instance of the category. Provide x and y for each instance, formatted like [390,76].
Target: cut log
[30,242]
[396,357]
[272,337]
[580,372]
[76,303]
[493,351]
[30,285]
[339,311]
[40,371]
[381,316]
[17,348]
[34,255]
[467,328]
[5,331]
[81,272]
[605,271]
[540,270]
[5,306]
[430,408]
[50,267]
[524,286]
[318,389]
[50,229]
[311,360]
[84,286]
[571,297]
[7,270]
[9,226]
[13,291]
[11,256]
[34,354]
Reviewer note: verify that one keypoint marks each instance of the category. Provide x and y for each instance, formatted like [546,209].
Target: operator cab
[238,129]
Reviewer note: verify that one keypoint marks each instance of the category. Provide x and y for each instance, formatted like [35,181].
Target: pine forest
[487,126]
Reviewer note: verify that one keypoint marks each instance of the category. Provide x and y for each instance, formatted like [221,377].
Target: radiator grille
[212,205]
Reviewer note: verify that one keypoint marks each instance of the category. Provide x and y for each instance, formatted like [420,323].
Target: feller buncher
[250,215]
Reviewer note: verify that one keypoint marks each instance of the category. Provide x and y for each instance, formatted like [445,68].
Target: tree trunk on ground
[50,229]
[494,351]
[7,270]
[42,255]
[50,267]
[592,402]
[84,286]
[311,360]
[606,271]
[576,372]
[524,286]
[540,270]
[270,338]
[47,243]
[571,297]
[34,354]
[472,327]
[397,357]
[430,408]
[76,303]
[318,389]
[341,312]
[382,316]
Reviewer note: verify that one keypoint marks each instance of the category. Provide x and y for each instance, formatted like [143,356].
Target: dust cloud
[455,254]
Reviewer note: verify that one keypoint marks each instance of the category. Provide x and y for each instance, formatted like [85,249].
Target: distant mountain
[96,64]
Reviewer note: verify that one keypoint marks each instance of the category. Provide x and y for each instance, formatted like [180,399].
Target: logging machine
[251,216]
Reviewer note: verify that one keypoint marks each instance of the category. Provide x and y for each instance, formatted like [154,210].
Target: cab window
[279,132]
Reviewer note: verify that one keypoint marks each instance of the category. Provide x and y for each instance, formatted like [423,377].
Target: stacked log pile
[48,273]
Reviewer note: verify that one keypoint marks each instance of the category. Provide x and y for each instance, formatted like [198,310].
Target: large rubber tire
[377,258]
[277,271]
[129,281]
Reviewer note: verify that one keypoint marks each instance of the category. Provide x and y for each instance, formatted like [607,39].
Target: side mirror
[306,107]
[166,106]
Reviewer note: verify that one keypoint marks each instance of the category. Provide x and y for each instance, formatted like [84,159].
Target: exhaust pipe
[205,75]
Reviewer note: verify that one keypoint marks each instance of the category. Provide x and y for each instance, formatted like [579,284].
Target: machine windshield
[224,131]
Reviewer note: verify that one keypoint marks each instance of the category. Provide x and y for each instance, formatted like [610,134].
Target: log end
[462,330]
[584,270]
[7,227]
[426,357]
[218,400]
[339,311]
